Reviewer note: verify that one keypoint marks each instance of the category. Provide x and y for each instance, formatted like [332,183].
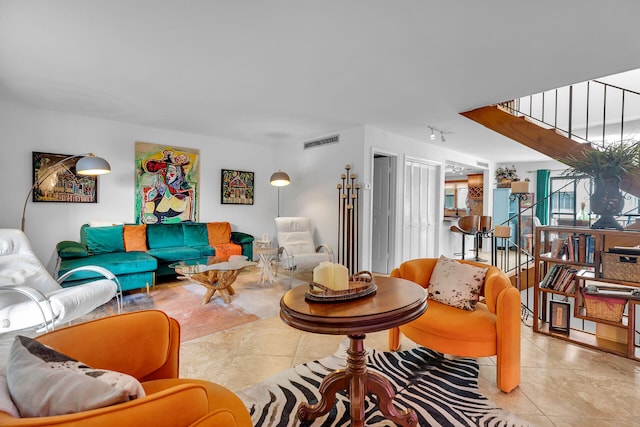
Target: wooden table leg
[332,384]
[217,281]
[358,381]
[224,293]
[209,293]
[380,386]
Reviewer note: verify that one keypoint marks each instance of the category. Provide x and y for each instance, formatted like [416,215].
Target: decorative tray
[360,285]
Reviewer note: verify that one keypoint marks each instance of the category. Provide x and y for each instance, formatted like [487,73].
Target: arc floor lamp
[279,179]
[88,164]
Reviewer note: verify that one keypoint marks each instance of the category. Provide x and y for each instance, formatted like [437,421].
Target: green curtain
[542,194]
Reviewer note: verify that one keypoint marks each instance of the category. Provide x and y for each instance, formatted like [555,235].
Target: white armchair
[31,298]
[297,250]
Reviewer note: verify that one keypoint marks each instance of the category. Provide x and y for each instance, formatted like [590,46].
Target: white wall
[315,174]
[23,130]
[377,140]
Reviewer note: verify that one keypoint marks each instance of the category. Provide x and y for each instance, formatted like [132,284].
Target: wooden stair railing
[545,141]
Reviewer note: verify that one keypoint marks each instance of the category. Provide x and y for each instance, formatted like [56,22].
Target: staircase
[567,122]
[520,129]
[563,135]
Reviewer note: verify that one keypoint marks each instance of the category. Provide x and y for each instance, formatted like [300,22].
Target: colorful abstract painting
[167,180]
[237,187]
[55,180]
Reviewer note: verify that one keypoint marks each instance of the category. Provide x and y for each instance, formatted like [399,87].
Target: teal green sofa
[138,263]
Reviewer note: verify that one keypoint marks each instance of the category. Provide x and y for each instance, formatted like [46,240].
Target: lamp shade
[502,231]
[280,179]
[520,187]
[92,165]
[88,164]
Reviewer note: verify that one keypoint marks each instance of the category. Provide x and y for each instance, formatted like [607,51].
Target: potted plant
[504,176]
[608,167]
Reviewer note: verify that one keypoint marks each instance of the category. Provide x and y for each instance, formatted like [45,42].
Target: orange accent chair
[492,329]
[145,345]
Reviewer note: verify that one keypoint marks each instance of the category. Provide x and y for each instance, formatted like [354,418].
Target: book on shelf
[576,247]
[567,284]
[560,278]
[582,248]
[547,276]
[558,248]
[590,248]
[571,248]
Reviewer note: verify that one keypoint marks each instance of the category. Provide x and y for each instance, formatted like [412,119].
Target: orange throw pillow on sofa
[135,238]
[224,251]
[219,233]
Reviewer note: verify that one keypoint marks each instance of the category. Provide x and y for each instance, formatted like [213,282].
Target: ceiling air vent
[323,141]
[482,164]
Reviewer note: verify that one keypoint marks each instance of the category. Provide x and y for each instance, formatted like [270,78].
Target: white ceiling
[287,71]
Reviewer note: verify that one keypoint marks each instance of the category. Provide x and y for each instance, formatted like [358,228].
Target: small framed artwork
[527,202]
[237,187]
[55,180]
[559,316]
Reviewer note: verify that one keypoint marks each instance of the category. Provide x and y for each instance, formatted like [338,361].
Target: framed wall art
[167,179]
[55,180]
[559,316]
[237,187]
[528,201]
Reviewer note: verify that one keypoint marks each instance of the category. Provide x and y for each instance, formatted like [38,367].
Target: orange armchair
[492,329]
[145,345]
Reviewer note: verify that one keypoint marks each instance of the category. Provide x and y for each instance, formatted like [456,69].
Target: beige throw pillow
[43,382]
[456,284]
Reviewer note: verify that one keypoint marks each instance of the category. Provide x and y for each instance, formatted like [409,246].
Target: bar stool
[467,225]
[484,230]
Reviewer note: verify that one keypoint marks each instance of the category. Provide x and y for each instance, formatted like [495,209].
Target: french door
[420,207]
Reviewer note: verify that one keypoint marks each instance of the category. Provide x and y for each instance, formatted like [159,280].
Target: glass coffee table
[213,274]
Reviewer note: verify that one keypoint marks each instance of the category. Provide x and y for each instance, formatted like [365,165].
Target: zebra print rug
[443,392]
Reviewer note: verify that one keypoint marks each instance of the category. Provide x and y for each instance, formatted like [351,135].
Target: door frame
[393,239]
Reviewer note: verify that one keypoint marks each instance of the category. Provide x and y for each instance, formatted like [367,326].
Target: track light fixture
[432,136]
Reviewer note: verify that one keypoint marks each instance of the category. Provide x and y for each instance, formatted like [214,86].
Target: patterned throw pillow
[456,284]
[44,382]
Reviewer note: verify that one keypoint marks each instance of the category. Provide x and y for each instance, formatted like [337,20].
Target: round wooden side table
[396,302]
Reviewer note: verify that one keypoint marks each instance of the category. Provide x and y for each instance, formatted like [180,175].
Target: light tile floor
[562,384]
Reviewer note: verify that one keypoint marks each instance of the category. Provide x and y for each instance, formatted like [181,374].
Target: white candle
[333,276]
